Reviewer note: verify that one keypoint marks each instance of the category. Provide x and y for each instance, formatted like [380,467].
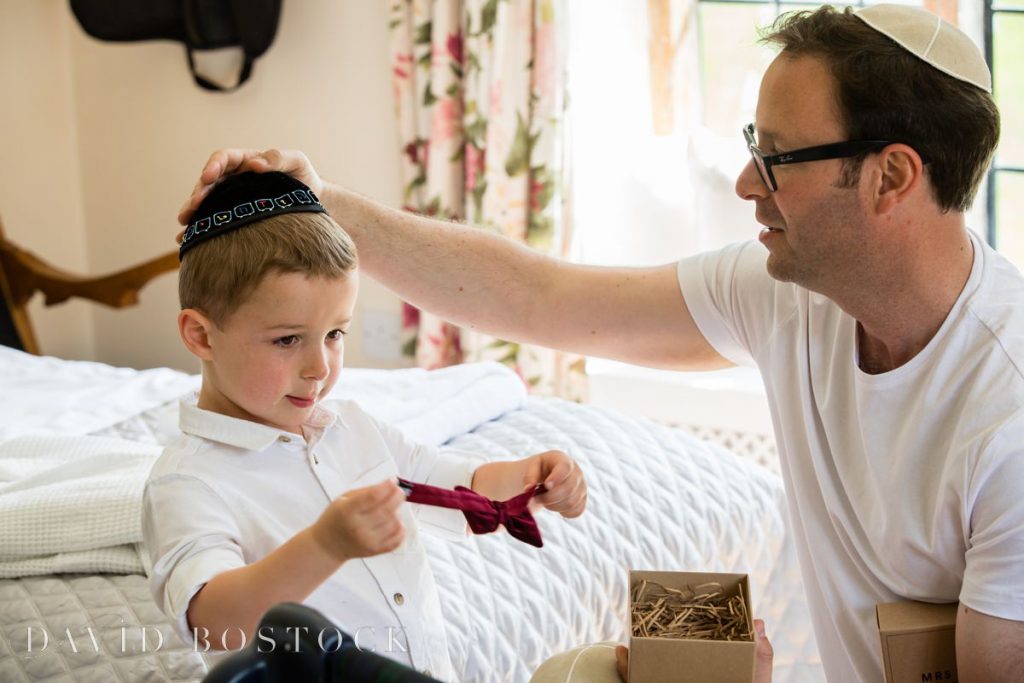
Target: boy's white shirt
[230,491]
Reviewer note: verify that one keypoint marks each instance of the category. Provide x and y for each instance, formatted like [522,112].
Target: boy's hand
[362,522]
[225,162]
[566,489]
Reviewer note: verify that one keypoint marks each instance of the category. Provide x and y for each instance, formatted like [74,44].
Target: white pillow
[46,395]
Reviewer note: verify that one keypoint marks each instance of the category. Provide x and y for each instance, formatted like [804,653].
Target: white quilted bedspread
[659,499]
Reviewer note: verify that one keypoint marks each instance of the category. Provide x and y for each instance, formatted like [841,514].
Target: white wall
[40,185]
[131,131]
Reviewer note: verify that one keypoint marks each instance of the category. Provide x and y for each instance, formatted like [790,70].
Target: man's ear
[900,172]
[194,328]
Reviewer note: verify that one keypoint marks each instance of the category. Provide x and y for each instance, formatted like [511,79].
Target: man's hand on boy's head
[225,162]
[562,477]
[361,523]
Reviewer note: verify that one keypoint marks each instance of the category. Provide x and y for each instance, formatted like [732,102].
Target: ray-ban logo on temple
[834,150]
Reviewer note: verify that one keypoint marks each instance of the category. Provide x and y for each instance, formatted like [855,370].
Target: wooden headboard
[22,274]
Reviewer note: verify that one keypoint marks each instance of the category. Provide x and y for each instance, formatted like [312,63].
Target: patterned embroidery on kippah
[246,209]
[243,210]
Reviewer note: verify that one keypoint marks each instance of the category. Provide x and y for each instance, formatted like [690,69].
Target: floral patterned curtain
[480,98]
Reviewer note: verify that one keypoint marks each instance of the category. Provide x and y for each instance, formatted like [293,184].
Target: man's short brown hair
[887,93]
[219,275]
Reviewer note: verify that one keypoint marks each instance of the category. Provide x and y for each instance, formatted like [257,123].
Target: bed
[76,440]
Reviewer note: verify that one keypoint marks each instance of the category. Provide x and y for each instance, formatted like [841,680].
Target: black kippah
[246,198]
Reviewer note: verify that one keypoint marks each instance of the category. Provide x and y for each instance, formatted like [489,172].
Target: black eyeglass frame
[836,150]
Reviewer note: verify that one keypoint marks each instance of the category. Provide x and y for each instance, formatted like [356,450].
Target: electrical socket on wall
[382,335]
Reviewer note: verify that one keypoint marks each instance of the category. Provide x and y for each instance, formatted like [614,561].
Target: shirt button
[284,439]
[426,672]
[399,599]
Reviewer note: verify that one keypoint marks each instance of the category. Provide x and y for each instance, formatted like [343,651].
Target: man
[890,340]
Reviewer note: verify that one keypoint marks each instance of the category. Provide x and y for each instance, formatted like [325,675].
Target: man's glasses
[837,150]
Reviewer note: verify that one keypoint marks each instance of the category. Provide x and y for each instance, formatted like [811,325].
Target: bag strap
[255,23]
[207,84]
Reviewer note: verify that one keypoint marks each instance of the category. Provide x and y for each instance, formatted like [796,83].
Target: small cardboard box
[669,660]
[918,641]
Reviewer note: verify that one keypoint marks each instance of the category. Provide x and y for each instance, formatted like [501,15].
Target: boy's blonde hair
[219,275]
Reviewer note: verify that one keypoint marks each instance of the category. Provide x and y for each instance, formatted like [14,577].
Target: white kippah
[927,36]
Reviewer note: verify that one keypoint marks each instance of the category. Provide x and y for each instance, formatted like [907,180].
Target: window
[1004,198]
[646,196]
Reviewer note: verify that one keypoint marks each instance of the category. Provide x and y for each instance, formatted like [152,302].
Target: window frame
[992,10]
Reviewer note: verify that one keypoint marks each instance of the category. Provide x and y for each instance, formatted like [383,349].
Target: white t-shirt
[230,491]
[903,485]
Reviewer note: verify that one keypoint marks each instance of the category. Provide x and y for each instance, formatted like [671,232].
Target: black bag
[199,24]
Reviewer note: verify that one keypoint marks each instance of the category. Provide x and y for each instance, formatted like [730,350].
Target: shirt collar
[244,434]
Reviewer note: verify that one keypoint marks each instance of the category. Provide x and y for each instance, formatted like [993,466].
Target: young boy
[271,496]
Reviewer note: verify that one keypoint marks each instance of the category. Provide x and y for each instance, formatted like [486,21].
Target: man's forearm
[461,273]
[482,281]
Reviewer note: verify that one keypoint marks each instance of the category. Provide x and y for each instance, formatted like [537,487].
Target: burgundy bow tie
[483,514]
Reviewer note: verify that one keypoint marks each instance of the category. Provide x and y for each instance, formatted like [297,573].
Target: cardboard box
[918,641]
[669,660]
